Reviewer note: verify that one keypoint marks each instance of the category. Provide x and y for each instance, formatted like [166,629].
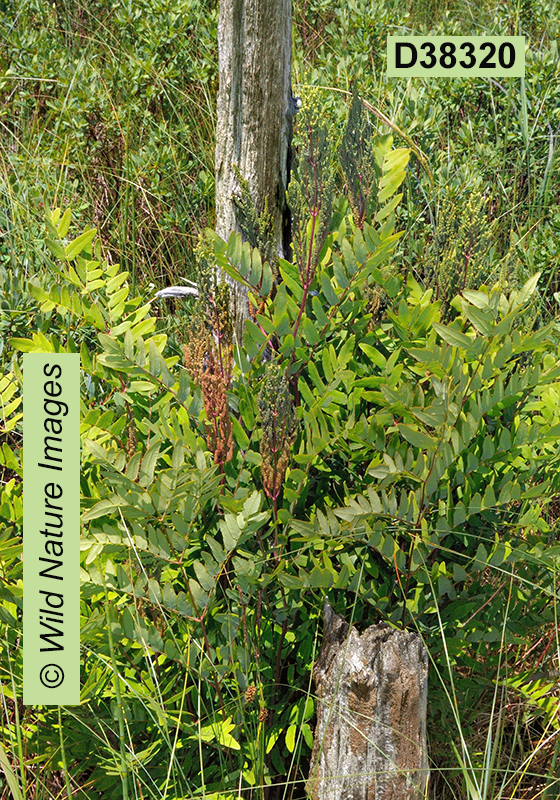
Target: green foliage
[471,136]
[279,427]
[93,97]
[358,162]
[401,457]
[394,451]
[175,548]
[461,243]
[257,229]
[310,192]
[371,178]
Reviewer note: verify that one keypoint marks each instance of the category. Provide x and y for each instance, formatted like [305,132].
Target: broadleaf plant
[374,451]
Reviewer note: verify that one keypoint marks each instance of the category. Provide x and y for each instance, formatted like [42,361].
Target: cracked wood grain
[370,737]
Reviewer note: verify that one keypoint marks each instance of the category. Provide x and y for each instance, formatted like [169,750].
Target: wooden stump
[370,738]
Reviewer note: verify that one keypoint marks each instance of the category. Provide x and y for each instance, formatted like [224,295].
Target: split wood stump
[370,737]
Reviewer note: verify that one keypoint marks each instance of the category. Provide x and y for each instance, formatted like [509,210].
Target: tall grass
[110,108]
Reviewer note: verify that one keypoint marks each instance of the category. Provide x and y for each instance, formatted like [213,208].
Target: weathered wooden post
[255,112]
[370,738]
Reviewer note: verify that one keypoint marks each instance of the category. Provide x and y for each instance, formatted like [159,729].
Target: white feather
[178,291]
